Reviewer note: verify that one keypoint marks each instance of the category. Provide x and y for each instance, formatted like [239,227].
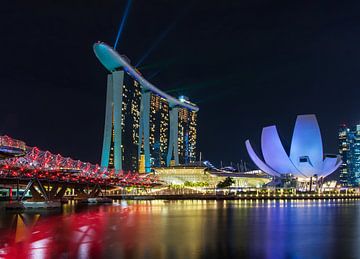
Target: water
[186,229]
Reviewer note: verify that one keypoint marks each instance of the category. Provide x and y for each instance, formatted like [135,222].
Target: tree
[226,183]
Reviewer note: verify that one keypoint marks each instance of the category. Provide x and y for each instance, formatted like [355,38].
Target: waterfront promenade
[236,197]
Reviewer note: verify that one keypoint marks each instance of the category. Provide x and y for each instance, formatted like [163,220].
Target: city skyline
[179,129]
[242,82]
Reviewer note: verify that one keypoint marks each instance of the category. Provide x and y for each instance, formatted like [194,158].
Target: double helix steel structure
[24,162]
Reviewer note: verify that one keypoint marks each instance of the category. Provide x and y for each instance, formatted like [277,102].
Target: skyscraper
[355,155]
[344,138]
[128,96]
[132,146]
[159,130]
[349,149]
[144,126]
[187,136]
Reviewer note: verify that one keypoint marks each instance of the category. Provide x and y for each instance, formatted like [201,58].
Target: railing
[6,141]
[134,180]
[46,165]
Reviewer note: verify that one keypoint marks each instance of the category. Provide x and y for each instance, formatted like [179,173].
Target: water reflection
[186,229]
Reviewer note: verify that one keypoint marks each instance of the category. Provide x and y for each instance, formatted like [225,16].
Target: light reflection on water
[186,229]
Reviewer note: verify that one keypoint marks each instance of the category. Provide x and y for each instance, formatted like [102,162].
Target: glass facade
[130,122]
[187,134]
[349,149]
[159,130]
[132,110]
[145,119]
[355,155]
[192,136]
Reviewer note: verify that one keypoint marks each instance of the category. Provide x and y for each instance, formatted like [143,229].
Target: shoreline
[233,197]
[222,197]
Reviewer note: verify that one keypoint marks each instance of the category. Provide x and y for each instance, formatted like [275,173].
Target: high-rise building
[187,136]
[128,94]
[130,123]
[125,90]
[349,149]
[159,130]
[344,138]
[355,155]
[144,126]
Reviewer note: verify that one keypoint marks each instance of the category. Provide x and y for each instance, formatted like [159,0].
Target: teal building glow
[349,149]
[144,126]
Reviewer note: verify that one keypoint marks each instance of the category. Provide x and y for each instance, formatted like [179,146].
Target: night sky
[247,64]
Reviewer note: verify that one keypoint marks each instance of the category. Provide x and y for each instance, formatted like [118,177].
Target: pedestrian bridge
[10,147]
[48,175]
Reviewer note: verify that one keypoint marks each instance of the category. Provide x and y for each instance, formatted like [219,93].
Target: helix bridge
[52,173]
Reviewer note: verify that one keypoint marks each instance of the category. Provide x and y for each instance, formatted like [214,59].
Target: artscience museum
[305,158]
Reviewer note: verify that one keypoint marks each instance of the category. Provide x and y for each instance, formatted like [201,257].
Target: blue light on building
[144,126]
[305,159]
[349,149]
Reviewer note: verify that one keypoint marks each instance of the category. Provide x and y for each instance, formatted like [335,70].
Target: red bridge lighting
[33,162]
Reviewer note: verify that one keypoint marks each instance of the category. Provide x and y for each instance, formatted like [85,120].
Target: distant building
[344,150]
[355,155]
[349,149]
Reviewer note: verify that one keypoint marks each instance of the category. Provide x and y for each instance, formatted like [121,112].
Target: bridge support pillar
[61,192]
[38,195]
[85,194]
[96,190]
[53,191]
[57,191]
[80,192]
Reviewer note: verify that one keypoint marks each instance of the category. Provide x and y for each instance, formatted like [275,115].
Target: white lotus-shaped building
[306,157]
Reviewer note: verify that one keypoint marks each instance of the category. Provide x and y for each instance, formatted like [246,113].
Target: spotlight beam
[154,74]
[156,43]
[123,21]
[163,35]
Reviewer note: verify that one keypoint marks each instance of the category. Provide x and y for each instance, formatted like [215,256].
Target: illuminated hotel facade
[159,130]
[128,97]
[187,136]
[144,127]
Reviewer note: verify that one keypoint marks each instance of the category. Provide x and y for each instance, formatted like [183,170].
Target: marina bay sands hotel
[144,126]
